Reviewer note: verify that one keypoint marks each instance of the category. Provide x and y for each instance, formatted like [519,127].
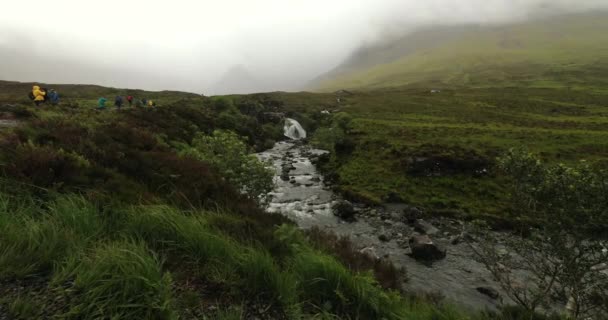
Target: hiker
[38,95]
[130,100]
[138,103]
[101,103]
[118,102]
[144,102]
[54,97]
[46,96]
[151,103]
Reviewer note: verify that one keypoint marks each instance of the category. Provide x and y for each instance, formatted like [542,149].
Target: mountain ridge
[566,50]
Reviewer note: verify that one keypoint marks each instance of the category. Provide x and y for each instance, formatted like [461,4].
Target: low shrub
[229,154]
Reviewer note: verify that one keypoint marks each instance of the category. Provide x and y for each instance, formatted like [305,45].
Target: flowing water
[302,195]
[293,130]
[306,199]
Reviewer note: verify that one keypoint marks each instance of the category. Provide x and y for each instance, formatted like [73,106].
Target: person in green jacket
[101,103]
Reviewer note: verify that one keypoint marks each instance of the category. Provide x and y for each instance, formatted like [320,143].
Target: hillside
[155,213]
[563,51]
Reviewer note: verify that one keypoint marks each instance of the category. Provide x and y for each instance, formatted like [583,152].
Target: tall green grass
[34,240]
[168,229]
[120,273]
[118,280]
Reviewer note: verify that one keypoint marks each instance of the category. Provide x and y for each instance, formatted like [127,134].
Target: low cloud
[193,45]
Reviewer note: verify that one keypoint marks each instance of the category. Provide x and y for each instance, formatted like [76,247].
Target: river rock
[490,292]
[424,227]
[456,240]
[370,252]
[344,209]
[384,237]
[424,248]
[411,214]
[396,216]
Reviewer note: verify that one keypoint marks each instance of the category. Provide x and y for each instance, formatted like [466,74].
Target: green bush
[228,153]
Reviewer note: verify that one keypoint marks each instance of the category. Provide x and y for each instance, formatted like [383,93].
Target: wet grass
[437,151]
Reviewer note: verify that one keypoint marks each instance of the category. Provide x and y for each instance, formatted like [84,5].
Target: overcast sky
[190,44]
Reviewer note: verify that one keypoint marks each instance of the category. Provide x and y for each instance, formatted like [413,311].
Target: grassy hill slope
[564,51]
[111,214]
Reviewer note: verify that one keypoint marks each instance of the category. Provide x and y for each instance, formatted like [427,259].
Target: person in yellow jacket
[38,95]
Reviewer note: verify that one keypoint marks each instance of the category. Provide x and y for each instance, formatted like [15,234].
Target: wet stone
[424,248]
[490,292]
[424,227]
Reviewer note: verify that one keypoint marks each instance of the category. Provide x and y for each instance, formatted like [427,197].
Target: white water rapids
[293,130]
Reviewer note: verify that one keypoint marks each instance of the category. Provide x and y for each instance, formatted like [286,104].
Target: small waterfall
[293,130]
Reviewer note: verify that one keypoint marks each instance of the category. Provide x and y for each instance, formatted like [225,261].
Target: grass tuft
[118,280]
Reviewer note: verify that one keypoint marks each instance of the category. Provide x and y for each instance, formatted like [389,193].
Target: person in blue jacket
[54,97]
[118,102]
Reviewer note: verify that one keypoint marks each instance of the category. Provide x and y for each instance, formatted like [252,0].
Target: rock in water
[411,214]
[371,253]
[344,210]
[423,248]
[425,227]
[490,292]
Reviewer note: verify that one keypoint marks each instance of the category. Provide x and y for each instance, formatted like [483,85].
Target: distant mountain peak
[237,79]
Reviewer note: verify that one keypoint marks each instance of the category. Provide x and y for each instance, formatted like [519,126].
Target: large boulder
[344,210]
[424,227]
[424,248]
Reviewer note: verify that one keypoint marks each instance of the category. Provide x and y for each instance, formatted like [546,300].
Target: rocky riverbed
[436,259]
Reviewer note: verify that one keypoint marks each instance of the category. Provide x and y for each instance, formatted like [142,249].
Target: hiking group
[118,102]
[43,95]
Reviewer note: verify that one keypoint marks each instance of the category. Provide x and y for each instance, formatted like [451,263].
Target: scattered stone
[396,216]
[370,252]
[315,179]
[424,227]
[345,210]
[490,292]
[384,237]
[411,214]
[456,240]
[285,176]
[423,248]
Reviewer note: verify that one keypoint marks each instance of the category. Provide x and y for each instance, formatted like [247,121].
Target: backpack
[31,96]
